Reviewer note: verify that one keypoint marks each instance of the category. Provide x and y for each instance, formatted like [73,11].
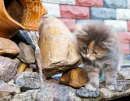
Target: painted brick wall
[114,13]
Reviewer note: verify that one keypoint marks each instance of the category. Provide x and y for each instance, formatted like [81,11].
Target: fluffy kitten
[99,48]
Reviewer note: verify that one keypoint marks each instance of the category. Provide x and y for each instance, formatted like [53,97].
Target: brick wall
[114,13]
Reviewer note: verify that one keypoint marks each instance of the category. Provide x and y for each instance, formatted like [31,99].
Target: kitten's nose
[88,55]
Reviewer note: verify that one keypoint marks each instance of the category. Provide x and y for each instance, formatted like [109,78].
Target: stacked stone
[114,13]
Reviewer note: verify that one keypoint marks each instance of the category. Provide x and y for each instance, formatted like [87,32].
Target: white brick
[117,25]
[70,2]
[128,3]
[123,14]
[53,10]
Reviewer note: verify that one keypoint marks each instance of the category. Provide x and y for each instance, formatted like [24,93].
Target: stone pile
[19,80]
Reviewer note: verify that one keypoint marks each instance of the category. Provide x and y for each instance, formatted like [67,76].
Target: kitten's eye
[84,49]
[94,52]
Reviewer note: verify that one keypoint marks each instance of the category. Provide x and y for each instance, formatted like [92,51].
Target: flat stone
[6,89]
[75,78]
[86,93]
[73,12]
[6,98]
[26,54]
[93,3]
[115,4]
[8,48]
[58,48]
[53,10]
[117,25]
[34,95]
[123,14]
[69,2]
[28,80]
[102,13]
[8,68]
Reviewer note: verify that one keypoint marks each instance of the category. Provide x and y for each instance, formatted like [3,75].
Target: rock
[8,48]
[6,98]
[22,36]
[75,78]
[8,68]
[28,70]
[117,25]
[26,53]
[6,89]
[57,47]
[98,13]
[28,80]
[124,74]
[52,92]
[57,92]
[86,93]
[34,95]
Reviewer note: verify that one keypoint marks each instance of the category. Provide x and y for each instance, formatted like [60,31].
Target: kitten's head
[94,40]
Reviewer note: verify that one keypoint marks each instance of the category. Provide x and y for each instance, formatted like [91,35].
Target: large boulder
[57,47]
[8,47]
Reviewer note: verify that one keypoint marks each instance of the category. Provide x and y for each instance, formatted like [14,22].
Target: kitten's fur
[99,48]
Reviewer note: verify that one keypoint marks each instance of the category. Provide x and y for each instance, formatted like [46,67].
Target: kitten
[99,48]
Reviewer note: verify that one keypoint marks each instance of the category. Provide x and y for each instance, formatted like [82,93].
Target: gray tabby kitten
[99,48]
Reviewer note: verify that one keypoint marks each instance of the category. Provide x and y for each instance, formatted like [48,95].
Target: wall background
[114,13]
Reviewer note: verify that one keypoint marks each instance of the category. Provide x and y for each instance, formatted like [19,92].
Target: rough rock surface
[6,89]
[8,68]
[26,53]
[75,78]
[28,80]
[8,47]
[57,47]
[57,92]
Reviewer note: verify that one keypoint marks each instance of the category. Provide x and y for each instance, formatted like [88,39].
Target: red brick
[124,37]
[68,11]
[94,3]
[128,23]
[70,23]
[125,47]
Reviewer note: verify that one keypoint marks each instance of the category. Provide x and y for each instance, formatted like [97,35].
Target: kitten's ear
[109,43]
[79,29]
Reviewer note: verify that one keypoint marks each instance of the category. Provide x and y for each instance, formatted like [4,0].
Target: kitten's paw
[111,87]
[90,87]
